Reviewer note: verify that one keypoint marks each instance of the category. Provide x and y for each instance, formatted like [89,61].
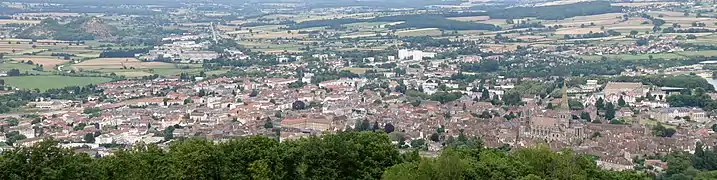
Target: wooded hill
[347,155]
[78,30]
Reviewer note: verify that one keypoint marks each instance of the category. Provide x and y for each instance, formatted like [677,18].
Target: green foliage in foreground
[350,155]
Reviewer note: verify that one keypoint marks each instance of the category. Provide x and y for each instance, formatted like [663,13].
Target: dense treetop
[556,12]
[348,155]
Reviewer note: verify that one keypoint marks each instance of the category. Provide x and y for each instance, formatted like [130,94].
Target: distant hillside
[410,21]
[555,12]
[78,30]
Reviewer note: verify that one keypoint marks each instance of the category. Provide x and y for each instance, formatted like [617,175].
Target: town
[628,91]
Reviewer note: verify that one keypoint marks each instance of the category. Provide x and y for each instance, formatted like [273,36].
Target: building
[625,88]
[318,123]
[554,125]
[680,114]
[405,54]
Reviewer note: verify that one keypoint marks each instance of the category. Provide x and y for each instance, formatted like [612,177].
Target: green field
[7,65]
[50,82]
[635,57]
[699,53]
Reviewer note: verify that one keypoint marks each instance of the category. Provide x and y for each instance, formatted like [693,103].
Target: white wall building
[404,54]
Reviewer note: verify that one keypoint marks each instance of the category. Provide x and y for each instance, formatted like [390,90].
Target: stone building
[554,125]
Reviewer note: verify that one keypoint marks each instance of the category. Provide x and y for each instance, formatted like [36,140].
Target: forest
[8,102]
[54,30]
[346,155]
[410,21]
[556,12]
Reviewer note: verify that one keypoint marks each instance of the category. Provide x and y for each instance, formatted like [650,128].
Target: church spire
[564,101]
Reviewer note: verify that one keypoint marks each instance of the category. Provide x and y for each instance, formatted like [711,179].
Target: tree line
[556,12]
[347,155]
[410,21]
[21,98]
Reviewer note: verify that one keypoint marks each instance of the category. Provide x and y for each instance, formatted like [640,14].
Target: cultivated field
[471,18]
[50,82]
[420,32]
[578,31]
[598,20]
[47,62]
[119,63]
[11,21]
[8,65]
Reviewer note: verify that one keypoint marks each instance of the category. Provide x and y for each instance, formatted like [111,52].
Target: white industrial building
[404,54]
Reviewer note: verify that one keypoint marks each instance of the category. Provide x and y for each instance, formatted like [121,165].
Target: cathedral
[554,125]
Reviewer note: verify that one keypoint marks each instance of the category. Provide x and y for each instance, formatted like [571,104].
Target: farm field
[635,57]
[419,32]
[50,82]
[357,70]
[470,18]
[699,53]
[7,65]
[10,21]
[47,62]
[119,63]
[578,31]
[131,67]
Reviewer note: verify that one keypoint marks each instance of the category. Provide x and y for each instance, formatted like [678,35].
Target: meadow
[50,82]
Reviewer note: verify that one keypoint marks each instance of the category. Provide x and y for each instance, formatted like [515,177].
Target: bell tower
[564,108]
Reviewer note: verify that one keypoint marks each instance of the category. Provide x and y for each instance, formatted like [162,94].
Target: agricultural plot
[572,31]
[47,62]
[699,53]
[597,20]
[120,63]
[8,65]
[635,57]
[15,21]
[50,82]
[419,32]
[131,67]
[470,18]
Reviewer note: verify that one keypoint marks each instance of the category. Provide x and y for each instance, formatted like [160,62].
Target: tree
[168,133]
[662,131]
[12,121]
[600,104]
[575,104]
[364,126]
[435,137]
[609,111]
[278,114]
[268,124]
[388,128]
[254,93]
[585,116]
[375,126]
[187,101]
[89,138]
[512,98]
[621,102]
[484,94]
[298,105]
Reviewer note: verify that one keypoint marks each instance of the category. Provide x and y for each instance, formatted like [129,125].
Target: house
[319,123]
[628,89]
[680,113]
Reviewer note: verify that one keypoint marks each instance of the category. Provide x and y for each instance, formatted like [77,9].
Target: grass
[420,32]
[699,53]
[654,122]
[635,57]
[7,65]
[357,70]
[49,82]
